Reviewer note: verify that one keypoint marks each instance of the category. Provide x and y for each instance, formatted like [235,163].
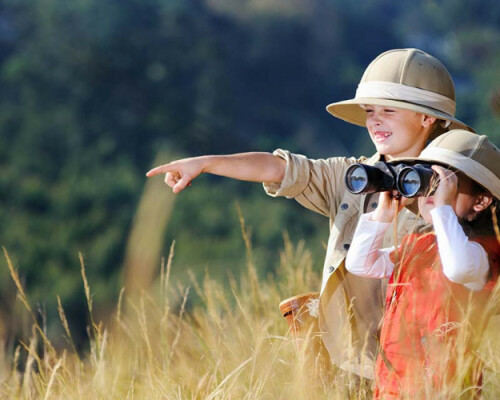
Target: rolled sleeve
[316,184]
[296,176]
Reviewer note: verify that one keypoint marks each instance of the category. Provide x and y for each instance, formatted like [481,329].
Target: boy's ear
[427,120]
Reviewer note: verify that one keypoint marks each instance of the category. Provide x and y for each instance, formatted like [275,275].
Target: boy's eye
[389,110]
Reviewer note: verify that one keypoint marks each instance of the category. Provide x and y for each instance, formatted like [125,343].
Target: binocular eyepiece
[410,181]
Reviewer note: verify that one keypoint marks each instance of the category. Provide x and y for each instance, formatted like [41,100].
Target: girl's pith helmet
[472,154]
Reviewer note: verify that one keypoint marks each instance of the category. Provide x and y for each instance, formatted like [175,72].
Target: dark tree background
[92,90]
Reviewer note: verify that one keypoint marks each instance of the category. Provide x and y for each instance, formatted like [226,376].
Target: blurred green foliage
[91,90]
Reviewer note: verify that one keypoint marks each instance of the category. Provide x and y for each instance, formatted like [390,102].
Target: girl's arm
[365,256]
[463,261]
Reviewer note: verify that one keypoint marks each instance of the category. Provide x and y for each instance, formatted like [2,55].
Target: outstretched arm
[254,167]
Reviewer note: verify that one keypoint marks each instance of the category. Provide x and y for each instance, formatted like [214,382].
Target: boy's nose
[376,120]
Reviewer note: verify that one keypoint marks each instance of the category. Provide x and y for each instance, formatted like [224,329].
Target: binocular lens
[415,180]
[410,182]
[356,179]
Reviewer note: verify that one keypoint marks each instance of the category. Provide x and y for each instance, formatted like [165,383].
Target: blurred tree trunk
[145,241]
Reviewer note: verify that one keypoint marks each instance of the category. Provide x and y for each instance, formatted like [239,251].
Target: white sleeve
[365,257]
[464,261]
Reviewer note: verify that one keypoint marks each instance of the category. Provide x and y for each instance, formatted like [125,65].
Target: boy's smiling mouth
[380,136]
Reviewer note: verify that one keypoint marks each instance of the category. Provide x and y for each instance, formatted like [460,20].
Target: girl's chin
[426,218]
[426,213]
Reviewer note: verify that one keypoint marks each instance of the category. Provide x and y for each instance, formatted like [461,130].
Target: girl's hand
[389,204]
[447,189]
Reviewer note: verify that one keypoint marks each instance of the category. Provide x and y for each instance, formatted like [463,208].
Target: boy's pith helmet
[472,154]
[403,78]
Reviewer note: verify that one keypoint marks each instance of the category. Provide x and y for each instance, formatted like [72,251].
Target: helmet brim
[352,112]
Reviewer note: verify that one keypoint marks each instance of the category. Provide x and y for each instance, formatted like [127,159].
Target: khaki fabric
[350,307]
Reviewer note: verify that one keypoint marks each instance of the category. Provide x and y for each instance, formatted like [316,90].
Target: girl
[440,281]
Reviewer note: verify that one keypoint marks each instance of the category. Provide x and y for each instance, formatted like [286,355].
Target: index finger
[442,172]
[162,169]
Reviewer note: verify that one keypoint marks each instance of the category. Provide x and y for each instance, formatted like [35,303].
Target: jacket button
[374,204]
[344,206]
[346,246]
[331,268]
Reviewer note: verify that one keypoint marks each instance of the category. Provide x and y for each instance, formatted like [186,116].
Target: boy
[404,98]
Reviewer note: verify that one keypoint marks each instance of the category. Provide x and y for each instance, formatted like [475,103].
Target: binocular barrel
[363,178]
[410,181]
[415,181]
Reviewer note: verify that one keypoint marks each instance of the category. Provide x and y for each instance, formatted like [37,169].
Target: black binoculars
[410,181]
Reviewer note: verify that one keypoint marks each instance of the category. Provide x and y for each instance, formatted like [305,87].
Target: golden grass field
[234,344]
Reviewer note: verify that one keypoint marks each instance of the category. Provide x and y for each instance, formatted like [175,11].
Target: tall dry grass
[233,344]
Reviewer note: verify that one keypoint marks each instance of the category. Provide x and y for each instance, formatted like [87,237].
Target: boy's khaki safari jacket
[350,307]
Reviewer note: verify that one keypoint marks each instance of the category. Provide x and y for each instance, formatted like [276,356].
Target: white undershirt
[464,262]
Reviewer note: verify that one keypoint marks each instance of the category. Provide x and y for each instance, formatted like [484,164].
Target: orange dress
[431,325]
